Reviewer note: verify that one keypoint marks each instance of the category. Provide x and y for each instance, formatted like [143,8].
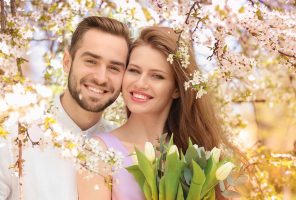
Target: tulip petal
[224,170]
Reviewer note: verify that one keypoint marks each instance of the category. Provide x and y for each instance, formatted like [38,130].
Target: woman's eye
[133,70]
[157,76]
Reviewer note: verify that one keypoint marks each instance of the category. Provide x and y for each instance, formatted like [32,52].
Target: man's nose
[101,74]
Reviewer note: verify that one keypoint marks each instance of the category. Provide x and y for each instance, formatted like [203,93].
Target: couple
[101,62]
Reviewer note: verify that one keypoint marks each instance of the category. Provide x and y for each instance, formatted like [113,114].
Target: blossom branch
[192,8]
[34,143]
[44,39]
[188,15]
[197,23]
[22,130]
[215,50]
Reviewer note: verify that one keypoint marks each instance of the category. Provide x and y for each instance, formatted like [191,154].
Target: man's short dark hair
[104,24]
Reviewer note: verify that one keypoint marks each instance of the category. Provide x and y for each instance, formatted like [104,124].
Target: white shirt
[47,175]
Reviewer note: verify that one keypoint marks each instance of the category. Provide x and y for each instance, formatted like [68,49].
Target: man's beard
[82,102]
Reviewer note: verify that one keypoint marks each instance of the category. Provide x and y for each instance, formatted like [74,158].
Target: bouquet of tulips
[172,175]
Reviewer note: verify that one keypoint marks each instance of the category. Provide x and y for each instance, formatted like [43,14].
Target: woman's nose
[142,82]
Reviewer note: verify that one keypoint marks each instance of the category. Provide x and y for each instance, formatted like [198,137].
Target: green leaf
[173,169]
[138,175]
[161,189]
[190,143]
[149,172]
[171,142]
[191,154]
[210,195]
[210,173]
[197,182]
[201,158]
[242,9]
[180,195]
[198,155]
[187,175]
[259,14]
[185,187]
[147,14]
[225,48]
[147,191]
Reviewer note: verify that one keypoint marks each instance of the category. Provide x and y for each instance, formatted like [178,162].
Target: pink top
[125,186]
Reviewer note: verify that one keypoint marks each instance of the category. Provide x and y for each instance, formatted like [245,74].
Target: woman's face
[148,83]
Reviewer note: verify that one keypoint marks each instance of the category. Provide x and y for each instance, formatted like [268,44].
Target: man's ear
[176,94]
[67,61]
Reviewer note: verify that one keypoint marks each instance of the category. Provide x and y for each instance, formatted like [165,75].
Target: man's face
[96,73]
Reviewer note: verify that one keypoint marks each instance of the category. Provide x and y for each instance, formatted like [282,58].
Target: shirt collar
[62,117]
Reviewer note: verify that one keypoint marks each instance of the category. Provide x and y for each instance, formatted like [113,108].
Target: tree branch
[13,7]
[261,2]
[3,17]
[252,101]
[286,54]
[191,9]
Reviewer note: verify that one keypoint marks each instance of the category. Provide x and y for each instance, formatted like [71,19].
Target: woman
[154,93]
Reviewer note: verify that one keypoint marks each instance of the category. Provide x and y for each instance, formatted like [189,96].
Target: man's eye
[114,68]
[91,62]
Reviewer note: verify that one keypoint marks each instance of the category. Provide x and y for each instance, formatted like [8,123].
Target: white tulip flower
[149,151]
[173,149]
[216,154]
[224,170]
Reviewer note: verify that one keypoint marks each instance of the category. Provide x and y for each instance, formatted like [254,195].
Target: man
[96,61]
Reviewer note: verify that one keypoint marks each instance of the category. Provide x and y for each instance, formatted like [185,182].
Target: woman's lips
[140,97]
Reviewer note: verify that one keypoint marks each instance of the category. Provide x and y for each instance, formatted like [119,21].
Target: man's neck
[84,119]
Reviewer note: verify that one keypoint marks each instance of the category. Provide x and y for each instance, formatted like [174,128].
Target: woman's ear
[176,94]
[67,62]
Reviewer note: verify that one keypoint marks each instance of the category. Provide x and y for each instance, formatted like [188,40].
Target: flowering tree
[246,51]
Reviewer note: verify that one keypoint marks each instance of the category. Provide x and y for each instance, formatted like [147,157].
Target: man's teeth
[96,90]
[140,96]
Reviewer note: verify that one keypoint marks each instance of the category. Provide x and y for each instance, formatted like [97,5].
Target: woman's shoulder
[110,140]
[101,139]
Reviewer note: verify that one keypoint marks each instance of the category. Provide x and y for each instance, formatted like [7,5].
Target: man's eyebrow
[87,53]
[113,62]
